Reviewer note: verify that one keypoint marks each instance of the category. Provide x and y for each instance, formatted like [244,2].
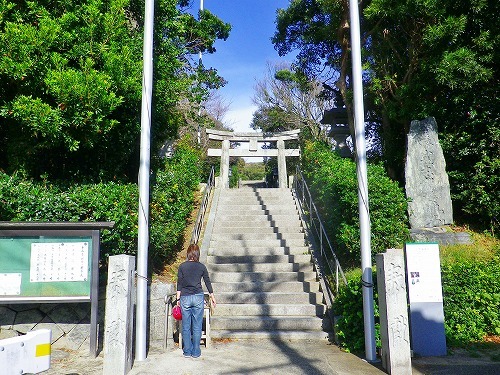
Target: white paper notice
[62,261]
[10,284]
[423,273]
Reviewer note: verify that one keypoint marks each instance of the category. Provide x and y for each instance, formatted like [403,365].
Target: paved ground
[268,357]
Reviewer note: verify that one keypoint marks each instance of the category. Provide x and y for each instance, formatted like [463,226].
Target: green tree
[70,82]
[288,100]
[318,31]
[423,57]
[431,58]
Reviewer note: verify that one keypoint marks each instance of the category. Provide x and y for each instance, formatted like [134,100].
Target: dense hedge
[333,183]
[171,202]
[24,200]
[471,302]
[234,177]
[348,308]
[471,292]
[173,199]
[253,171]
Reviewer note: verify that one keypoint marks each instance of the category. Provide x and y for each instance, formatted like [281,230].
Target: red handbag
[177,312]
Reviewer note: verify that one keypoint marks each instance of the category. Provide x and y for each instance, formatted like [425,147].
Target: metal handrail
[315,224]
[198,226]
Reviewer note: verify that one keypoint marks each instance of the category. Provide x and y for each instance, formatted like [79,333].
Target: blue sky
[242,58]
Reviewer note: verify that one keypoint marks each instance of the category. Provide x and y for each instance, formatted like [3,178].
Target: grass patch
[484,247]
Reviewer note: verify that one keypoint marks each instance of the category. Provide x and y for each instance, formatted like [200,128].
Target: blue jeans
[192,322]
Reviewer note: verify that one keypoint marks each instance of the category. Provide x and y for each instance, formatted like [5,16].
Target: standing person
[191,299]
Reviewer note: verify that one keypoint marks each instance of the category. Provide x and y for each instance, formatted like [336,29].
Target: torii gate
[254,150]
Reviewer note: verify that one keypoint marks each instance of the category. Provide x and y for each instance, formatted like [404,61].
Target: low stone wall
[157,293]
[70,322]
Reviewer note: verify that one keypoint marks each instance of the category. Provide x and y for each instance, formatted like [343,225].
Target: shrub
[24,200]
[348,308]
[471,302]
[234,178]
[173,199]
[334,186]
[471,298]
[253,171]
[171,203]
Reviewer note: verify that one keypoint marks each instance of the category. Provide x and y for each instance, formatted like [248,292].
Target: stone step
[258,229]
[256,216]
[256,323]
[260,267]
[264,237]
[271,334]
[232,277]
[269,298]
[297,259]
[246,209]
[271,286]
[262,203]
[288,310]
[266,193]
[257,222]
[227,250]
[249,243]
[252,199]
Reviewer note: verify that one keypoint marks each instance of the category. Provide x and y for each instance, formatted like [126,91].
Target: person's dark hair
[193,252]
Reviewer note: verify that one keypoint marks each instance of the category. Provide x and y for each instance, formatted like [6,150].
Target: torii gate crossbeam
[254,150]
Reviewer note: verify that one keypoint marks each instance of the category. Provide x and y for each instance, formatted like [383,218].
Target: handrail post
[337,276]
[321,239]
[319,232]
[203,207]
[310,209]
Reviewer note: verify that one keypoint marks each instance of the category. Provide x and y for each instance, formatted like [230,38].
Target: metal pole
[143,235]
[364,216]
[200,61]
[199,53]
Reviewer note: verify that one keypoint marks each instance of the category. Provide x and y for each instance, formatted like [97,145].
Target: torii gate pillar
[282,175]
[225,152]
[224,164]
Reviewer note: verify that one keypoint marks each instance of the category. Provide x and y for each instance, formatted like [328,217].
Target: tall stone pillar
[224,165]
[118,320]
[394,327]
[282,179]
[426,181]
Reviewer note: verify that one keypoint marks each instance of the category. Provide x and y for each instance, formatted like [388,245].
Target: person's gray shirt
[189,278]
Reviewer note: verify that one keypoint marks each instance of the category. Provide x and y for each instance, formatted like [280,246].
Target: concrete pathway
[269,357]
[234,357]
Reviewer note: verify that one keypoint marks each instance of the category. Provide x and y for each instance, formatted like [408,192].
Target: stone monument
[427,185]
[118,321]
[394,326]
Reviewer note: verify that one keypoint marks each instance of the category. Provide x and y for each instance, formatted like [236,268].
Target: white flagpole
[364,212]
[144,170]
[199,53]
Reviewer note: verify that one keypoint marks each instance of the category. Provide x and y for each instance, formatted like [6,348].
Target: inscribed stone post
[118,320]
[394,328]
[427,186]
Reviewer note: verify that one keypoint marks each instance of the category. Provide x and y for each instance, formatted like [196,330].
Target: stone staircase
[261,270]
